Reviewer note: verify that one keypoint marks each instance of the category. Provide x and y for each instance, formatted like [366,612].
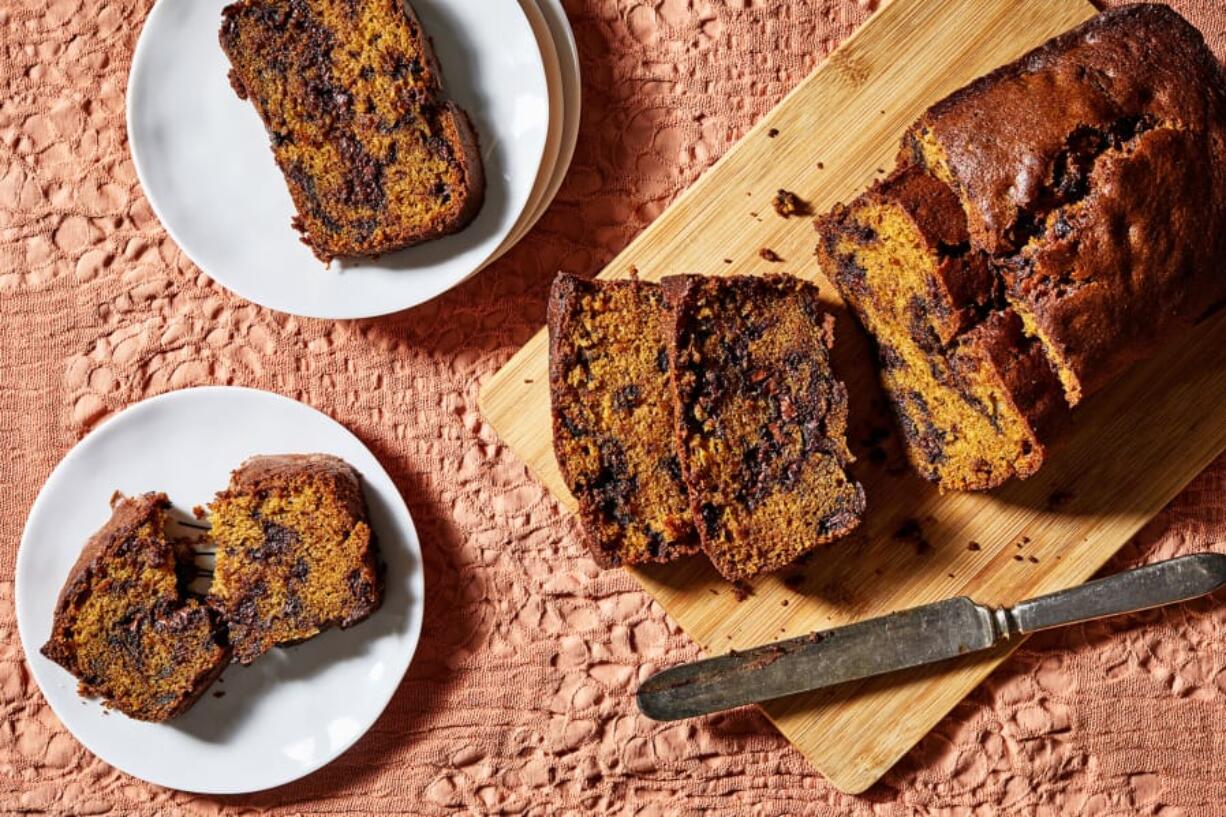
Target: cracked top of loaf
[1092,171]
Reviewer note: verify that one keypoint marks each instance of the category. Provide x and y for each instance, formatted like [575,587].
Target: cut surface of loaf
[970,390]
[295,552]
[375,156]
[613,419]
[1061,216]
[761,420]
[124,624]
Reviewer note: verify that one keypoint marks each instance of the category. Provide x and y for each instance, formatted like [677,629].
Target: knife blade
[913,638]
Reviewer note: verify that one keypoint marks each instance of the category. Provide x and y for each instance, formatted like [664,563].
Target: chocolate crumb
[727,260]
[741,589]
[1058,499]
[712,591]
[529,381]
[767,254]
[1017,558]
[788,204]
[974,546]
[783,603]
[221,693]
[952,576]
[910,531]
[821,165]
[772,133]
[1033,559]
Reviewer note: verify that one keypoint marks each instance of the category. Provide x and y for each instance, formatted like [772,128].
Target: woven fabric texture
[519,699]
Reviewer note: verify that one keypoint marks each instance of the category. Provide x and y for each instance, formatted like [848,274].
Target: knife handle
[1174,580]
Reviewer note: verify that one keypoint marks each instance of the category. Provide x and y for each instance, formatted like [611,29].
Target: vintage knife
[912,638]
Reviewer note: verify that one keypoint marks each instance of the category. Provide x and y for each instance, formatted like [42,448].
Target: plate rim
[416,586]
[140,57]
[566,49]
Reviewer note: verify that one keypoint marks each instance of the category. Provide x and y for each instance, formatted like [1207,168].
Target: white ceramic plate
[566,102]
[204,162]
[292,710]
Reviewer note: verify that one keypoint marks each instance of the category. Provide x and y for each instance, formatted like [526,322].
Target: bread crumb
[974,546]
[767,254]
[788,204]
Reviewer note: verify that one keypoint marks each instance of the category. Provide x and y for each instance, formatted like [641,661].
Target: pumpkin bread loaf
[124,623]
[613,419]
[375,157]
[1076,193]
[295,553]
[761,420]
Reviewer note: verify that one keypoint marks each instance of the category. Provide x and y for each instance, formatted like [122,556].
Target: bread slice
[124,624]
[613,419]
[761,419]
[295,553]
[971,391]
[376,158]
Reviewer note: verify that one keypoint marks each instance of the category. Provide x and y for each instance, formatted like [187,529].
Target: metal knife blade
[913,638]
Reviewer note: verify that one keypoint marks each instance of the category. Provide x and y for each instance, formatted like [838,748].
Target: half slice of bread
[124,624]
[295,553]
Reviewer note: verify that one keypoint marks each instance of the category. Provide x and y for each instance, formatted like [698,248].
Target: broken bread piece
[613,419]
[761,419]
[375,156]
[295,552]
[125,624]
[972,393]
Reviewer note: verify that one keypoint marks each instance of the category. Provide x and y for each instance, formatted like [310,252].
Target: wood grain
[1125,454]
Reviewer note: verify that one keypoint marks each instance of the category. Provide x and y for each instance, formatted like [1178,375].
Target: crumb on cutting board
[788,204]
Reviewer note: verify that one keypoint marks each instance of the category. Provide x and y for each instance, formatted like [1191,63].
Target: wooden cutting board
[1127,453]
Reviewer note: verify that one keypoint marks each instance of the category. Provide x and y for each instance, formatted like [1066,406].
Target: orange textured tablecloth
[519,699]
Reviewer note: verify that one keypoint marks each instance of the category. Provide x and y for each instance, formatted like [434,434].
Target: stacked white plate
[204,162]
